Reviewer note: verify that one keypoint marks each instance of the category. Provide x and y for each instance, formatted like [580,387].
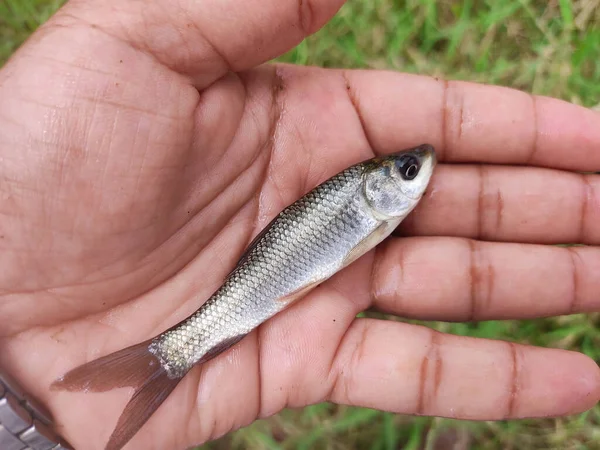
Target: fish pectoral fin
[368,243]
[378,235]
[133,366]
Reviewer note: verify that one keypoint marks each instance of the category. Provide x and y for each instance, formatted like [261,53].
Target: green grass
[19,18]
[550,48]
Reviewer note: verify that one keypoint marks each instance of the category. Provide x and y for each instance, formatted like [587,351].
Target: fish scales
[307,242]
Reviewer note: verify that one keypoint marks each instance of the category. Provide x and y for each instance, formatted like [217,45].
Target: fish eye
[408,166]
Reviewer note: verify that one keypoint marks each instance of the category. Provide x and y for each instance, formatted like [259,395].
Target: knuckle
[480,278]
[490,206]
[574,260]
[305,16]
[344,382]
[531,155]
[431,374]
[514,380]
[452,118]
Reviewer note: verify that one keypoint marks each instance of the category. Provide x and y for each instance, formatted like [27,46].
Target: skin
[143,146]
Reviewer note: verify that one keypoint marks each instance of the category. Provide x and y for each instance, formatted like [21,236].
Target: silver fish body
[307,243]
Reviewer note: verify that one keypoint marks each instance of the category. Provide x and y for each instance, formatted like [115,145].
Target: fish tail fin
[146,399]
[134,366]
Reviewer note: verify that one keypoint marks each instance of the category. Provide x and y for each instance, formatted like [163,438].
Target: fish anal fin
[298,294]
[221,347]
[368,243]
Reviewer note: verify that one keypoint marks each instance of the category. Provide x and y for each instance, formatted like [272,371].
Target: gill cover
[394,184]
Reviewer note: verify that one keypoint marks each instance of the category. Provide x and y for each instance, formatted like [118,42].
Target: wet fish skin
[307,243]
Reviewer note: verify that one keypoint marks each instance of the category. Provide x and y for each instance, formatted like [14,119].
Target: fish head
[394,184]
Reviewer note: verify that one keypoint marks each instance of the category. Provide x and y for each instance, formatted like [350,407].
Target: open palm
[142,149]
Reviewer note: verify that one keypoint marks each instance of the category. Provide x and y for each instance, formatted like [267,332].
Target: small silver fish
[308,242]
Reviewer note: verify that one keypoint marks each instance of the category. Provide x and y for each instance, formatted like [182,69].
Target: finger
[414,370]
[471,122]
[460,279]
[522,204]
[206,39]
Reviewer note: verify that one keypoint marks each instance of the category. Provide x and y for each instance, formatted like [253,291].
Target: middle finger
[461,279]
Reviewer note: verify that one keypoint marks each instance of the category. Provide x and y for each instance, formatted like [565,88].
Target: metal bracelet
[24,423]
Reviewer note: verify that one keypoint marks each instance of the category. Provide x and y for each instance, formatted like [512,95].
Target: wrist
[24,423]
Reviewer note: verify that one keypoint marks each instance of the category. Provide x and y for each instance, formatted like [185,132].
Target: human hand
[142,148]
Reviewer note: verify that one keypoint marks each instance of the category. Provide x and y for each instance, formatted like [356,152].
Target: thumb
[206,38]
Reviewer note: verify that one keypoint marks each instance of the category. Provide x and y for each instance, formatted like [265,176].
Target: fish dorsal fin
[252,245]
[254,241]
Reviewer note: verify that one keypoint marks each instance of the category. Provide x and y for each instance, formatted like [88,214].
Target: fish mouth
[426,153]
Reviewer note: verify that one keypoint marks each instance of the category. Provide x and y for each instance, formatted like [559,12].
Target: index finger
[469,122]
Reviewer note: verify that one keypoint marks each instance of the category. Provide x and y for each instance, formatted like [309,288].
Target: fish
[309,241]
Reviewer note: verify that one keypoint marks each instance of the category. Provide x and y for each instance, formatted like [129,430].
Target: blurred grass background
[545,47]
